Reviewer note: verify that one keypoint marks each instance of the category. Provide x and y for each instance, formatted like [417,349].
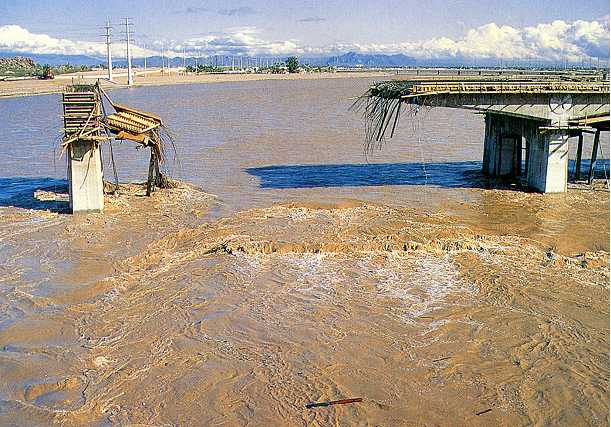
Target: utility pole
[130,77]
[144,48]
[162,58]
[108,54]
[184,59]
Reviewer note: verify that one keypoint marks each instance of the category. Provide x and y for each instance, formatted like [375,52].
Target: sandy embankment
[155,78]
[248,318]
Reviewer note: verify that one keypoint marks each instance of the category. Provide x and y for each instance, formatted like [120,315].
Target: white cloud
[236,41]
[555,41]
[14,38]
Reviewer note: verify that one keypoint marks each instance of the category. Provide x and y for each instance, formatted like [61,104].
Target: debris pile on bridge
[381,106]
[144,128]
[86,120]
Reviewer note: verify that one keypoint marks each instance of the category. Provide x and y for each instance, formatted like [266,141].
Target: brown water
[303,272]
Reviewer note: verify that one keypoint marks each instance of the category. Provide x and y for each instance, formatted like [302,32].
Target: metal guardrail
[436,88]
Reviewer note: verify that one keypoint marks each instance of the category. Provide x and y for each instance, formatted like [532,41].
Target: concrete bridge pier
[82,116]
[500,150]
[510,139]
[504,143]
[490,138]
[549,161]
[85,181]
[549,156]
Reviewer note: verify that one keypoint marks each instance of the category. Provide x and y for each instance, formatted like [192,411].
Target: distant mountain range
[350,60]
[353,59]
[57,59]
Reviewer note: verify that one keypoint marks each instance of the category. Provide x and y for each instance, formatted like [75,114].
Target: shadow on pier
[21,192]
[464,174]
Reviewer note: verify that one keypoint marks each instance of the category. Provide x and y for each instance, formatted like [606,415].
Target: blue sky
[309,27]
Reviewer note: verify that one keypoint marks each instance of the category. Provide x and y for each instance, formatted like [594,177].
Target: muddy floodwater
[288,267]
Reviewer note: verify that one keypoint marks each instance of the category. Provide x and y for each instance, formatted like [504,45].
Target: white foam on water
[246,263]
[421,283]
[417,283]
[111,295]
[315,274]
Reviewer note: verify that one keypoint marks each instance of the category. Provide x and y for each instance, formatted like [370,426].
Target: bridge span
[526,116]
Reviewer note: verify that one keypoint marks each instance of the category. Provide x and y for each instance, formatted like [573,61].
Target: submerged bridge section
[525,117]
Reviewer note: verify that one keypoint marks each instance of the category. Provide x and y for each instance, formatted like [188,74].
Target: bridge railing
[505,88]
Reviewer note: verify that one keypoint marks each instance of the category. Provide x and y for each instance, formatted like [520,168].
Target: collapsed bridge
[87,125]
[526,116]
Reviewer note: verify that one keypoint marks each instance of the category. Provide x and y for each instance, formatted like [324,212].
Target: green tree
[292,63]
[46,71]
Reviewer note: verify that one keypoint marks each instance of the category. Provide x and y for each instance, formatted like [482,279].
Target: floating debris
[333,402]
[441,359]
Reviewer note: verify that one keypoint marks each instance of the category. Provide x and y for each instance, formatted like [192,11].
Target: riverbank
[17,88]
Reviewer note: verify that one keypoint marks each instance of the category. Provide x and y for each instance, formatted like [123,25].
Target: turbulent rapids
[253,316]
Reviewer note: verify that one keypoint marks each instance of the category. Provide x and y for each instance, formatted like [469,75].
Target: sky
[504,29]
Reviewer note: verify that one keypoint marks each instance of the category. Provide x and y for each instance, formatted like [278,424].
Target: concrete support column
[507,158]
[502,146]
[578,160]
[531,134]
[85,182]
[493,158]
[549,162]
[594,156]
[488,146]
